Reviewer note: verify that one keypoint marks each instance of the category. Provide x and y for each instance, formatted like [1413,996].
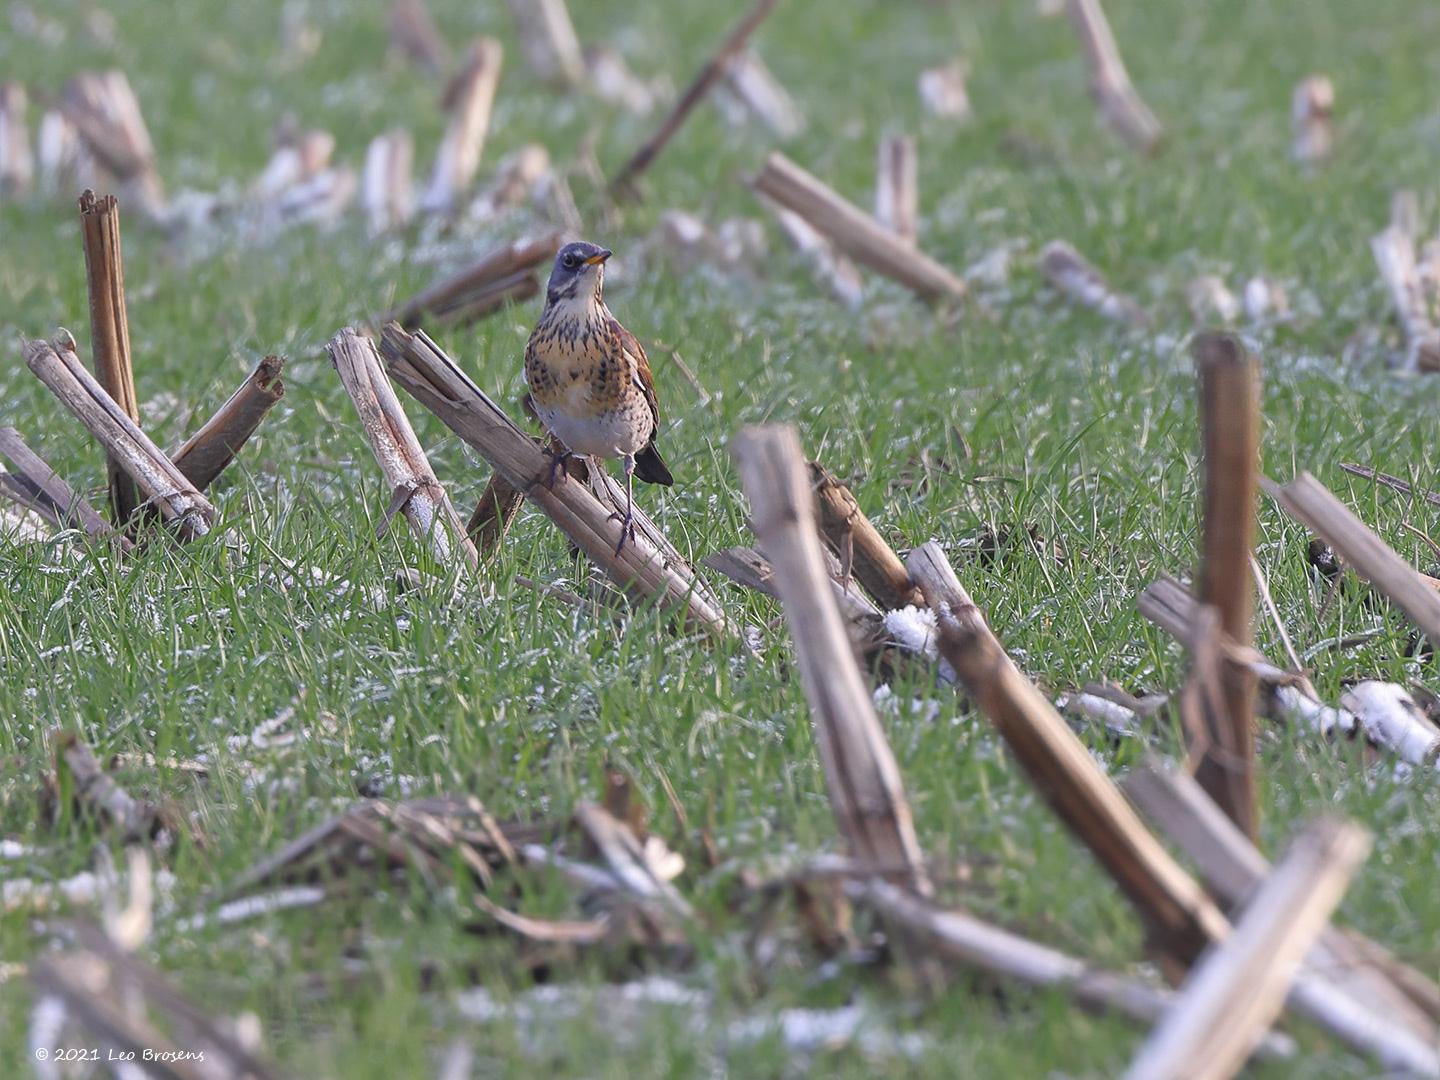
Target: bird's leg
[627,523]
[558,456]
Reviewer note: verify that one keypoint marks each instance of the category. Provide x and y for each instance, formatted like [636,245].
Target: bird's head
[579,272]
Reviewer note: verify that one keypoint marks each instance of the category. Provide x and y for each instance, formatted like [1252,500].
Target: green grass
[1041,415]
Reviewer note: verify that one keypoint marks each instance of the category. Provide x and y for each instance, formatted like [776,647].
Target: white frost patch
[888,702]
[809,1030]
[803,1031]
[251,907]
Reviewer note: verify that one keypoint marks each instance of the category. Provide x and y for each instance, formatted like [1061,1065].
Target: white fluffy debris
[1211,301]
[1392,719]
[915,630]
[86,887]
[1265,299]
[1113,716]
[1317,717]
[942,90]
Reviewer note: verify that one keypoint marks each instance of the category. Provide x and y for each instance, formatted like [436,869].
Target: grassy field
[1031,413]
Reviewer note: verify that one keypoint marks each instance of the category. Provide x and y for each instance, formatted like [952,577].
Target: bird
[589,379]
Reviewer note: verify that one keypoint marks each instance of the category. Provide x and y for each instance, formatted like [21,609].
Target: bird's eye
[571,262]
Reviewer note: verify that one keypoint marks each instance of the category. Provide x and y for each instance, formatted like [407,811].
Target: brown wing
[643,378]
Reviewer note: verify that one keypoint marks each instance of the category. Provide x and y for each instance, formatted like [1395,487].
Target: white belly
[613,434]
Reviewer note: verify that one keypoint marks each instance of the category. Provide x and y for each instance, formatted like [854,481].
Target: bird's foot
[557,467]
[627,527]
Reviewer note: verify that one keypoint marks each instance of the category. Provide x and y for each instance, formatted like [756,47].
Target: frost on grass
[630,1009]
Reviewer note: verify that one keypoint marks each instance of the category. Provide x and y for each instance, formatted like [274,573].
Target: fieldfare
[589,379]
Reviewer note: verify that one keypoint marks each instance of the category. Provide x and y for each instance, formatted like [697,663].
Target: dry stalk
[630,861]
[1170,606]
[1239,986]
[897,190]
[611,80]
[750,89]
[17,163]
[517,178]
[505,275]
[1394,253]
[1344,986]
[386,193]
[468,100]
[320,200]
[648,569]
[861,549]
[862,778]
[838,273]
[109,328]
[299,156]
[864,622]
[493,515]
[557,202]
[94,789]
[548,37]
[1394,483]
[714,69]
[1110,84]
[961,938]
[415,491]
[1069,272]
[1230,429]
[1308,500]
[111,996]
[1405,212]
[855,232]
[1181,918]
[59,154]
[1382,716]
[34,484]
[1312,109]
[414,35]
[207,453]
[866,793]
[161,484]
[106,115]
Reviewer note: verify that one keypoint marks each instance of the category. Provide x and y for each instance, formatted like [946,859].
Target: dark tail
[651,468]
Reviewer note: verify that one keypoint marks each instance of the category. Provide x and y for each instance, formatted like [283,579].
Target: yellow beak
[598,258]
